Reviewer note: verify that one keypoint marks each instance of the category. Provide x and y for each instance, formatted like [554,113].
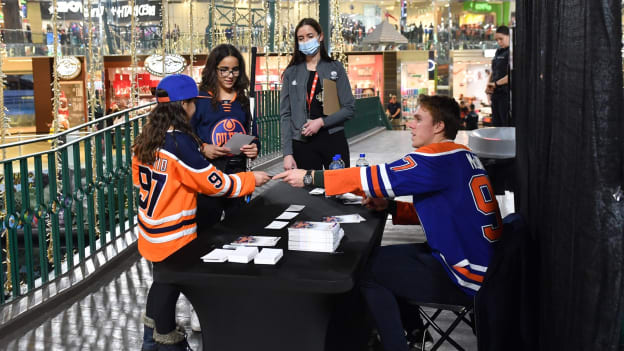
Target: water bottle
[336,162]
[361,162]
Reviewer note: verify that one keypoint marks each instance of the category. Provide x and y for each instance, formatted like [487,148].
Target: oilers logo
[224,130]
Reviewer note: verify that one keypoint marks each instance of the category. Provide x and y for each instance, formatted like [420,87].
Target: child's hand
[261,177]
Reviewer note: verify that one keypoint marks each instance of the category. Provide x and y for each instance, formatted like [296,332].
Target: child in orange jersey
[169,170]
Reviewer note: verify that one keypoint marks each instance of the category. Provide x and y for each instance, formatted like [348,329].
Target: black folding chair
[462,314]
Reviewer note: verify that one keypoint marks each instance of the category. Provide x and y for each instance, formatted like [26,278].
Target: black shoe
[419,338]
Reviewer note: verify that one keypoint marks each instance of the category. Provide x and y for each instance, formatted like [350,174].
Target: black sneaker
[417,338]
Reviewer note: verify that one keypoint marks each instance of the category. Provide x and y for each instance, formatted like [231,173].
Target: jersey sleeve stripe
[238,182]
[171,218]
[161,230]
[170,237]
[226,187]
[364,180]
[375,181]
[386,180]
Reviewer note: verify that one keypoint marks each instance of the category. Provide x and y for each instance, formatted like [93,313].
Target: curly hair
[210,81]
[164,116]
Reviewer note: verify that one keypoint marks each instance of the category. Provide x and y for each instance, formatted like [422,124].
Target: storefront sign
[476,6]
[173,64]
[432,65]
[68,67]
[119,11]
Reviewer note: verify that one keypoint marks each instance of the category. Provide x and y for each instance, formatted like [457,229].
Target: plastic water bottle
[336,162]
[361,162]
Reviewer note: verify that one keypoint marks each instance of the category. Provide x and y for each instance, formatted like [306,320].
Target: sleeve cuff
[319,179]
[392,207]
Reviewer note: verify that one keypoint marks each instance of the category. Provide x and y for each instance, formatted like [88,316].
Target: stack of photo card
[314,236]
[255,240]
[350,218]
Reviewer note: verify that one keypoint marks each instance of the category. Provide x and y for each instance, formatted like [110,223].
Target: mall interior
[79,78]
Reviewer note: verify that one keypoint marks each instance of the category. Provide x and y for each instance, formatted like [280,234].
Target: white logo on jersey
[475,163]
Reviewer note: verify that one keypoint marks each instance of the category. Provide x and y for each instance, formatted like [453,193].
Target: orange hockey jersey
[168,194]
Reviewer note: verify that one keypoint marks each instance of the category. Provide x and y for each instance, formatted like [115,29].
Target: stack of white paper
[242,254]
[314,236]
[216,255]
[269,256]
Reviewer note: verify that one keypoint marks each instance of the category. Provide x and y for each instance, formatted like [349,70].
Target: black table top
[310,272]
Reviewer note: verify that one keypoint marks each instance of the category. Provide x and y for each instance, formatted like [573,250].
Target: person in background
[472,119]
[498,87]
[169,171]
[452,199]
[393,111]
[310,138]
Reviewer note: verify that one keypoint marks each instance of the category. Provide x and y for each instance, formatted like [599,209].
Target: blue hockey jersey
[217,126]
[453,200]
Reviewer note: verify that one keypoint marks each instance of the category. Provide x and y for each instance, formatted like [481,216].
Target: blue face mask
[309,47]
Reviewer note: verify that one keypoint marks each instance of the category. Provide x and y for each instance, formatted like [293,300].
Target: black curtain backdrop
[567,96]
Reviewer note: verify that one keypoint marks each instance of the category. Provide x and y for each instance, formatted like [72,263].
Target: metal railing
[60,206]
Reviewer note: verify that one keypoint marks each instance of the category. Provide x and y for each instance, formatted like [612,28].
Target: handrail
[76,128]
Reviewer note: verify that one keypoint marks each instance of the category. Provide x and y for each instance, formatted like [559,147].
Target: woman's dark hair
[298,56]
[210,81]
[442,109]
[502,30]
[164,116]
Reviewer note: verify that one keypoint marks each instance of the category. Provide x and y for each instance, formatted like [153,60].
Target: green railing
[369,114]
[60,206]
[267,110]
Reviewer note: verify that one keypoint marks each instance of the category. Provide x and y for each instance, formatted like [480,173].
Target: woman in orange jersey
[170,170]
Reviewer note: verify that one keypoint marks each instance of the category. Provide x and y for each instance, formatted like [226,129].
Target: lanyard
[311,96]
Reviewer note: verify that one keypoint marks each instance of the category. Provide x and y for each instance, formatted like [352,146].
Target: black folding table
[308,301]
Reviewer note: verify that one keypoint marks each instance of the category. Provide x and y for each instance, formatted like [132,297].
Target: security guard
[499,80]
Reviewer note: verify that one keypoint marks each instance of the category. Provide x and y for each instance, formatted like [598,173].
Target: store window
[19,101]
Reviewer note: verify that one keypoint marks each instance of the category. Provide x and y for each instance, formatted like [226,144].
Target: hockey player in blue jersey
[452,200]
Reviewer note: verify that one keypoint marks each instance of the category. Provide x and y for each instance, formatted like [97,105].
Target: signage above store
[118,11]
[477,6]
[68,67]
[173,64]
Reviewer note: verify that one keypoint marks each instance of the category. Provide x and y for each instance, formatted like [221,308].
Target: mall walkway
[108,315]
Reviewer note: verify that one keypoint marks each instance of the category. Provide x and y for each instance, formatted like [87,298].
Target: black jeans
[318,150]
[398,273]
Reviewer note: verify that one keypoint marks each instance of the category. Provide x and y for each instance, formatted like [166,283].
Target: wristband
[495,84]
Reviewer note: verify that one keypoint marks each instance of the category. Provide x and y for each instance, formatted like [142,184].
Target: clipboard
[331,104]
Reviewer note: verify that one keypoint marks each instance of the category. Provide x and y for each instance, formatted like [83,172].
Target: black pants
[161,305]
[398,273]
[500,110]
[318,150]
